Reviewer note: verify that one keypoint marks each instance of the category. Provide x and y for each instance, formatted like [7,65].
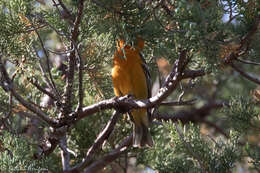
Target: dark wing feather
[148,81]
[147,75]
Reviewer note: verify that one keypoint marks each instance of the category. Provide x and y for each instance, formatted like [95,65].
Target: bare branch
[40,88]
[65,155]
[98,142]
[110,157]
[59,52]
[178,103]
[72,58]
[8,86]
[43,71]
[53,86]
[217,128]
[247,62]
[45,152]
[67,12]
[246,75]
[35,28]
[193,73]
[80,80]
[194,115]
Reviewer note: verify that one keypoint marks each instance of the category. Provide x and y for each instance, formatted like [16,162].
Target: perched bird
[130,76]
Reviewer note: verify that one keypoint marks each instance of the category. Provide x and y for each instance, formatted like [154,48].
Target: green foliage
[17,155]
[193,152]
[242,115]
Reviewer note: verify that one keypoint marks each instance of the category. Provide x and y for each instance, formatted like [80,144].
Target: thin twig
[80,80]
[217,128]
[178,103]
[182,93]
[65,9]
[40,88]
[9,86]
[43,71]
[247,62]
[53,86]
[60,52]
[10,106]
[35,28]
[97,166]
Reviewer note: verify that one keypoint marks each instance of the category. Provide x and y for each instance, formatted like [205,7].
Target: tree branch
[247,62]
[246,75]
[110,157]
[98,143]
[67,12]
[43,71]
[178,103]
[40,88]
[193,73]
[248,38]
[65,155]
[80,80]
[194,115]
[72,59]
[8,86]
[53,86]
[217,128]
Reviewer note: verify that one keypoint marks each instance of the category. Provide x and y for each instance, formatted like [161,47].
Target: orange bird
[130,76]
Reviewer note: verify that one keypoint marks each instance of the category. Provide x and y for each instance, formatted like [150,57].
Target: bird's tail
[141,135]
